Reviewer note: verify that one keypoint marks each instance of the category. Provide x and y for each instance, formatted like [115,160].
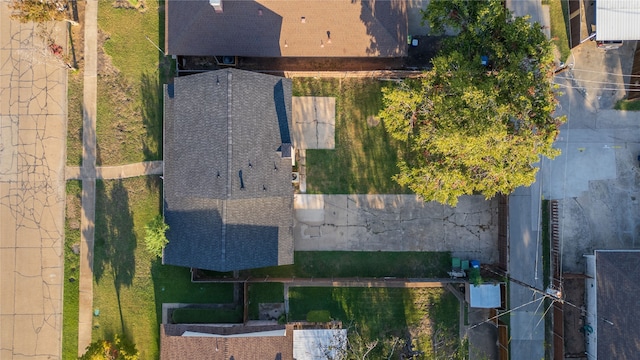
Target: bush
[155,236]
[318,316]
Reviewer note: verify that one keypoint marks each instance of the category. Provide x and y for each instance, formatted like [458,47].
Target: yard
[421,317]
[130,286]
[309,264]
[365,157]
[131,71]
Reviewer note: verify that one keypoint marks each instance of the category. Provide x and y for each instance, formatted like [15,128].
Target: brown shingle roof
[173,346]
[290,28]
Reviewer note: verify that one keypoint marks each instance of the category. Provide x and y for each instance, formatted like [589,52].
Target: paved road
[33,112]
[396,223]
[525,251]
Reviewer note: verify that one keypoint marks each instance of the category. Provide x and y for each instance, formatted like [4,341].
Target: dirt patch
[105,65]
[574,318]
[270,311]
[127,4]
[373,121]
[73,211]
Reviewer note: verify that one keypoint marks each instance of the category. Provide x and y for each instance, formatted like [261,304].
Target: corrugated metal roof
[318,344]
[617,20]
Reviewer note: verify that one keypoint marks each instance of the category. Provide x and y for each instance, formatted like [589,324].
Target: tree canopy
[479,120]
[118,349]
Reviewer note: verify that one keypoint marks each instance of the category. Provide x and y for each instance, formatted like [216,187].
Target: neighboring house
[617,20]
[241,342]
[612,327]
[286,28]
[228,198]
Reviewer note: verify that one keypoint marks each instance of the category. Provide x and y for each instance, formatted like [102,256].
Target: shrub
[155,237]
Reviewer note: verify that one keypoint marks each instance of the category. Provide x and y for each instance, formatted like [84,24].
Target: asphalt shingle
[228,198]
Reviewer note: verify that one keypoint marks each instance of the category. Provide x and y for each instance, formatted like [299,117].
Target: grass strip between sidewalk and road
[71,295]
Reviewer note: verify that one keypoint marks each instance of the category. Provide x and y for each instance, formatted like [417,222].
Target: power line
[592,88]
[504,313]
[602,72]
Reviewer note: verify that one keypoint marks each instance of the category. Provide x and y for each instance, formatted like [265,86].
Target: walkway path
[87,226]
[117,172]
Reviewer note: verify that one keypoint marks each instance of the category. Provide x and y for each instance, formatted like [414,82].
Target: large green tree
[479,120]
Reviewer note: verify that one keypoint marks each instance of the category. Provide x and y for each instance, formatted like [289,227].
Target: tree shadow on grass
[115,240]
[151,94]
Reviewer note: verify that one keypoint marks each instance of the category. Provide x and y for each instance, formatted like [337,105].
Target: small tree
[118,349]
[155,237]
[38,11]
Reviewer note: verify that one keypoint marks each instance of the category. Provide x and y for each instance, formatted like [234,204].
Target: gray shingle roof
[274,28]
[618,287]
[228,198]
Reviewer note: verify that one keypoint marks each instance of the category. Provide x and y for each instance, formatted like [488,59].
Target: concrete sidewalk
[118,172]
[87,220]
[396,223]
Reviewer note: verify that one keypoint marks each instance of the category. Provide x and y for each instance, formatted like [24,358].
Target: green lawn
[207,316]
[328,264]
[629,105]
[71,271]
[365,157]
[129,113]
[264,293]
[130,285]
[381,313]
[74,118]
[559,14]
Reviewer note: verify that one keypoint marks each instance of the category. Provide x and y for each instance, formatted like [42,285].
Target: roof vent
[217,5]
[302,19]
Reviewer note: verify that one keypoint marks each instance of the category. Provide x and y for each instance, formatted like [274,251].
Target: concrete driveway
[396,223]
[597,178]
[33,108]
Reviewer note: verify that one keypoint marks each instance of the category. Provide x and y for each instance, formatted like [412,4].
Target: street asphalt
[33,113]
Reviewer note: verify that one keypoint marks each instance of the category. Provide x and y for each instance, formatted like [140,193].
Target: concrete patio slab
[396,223]
[314,122]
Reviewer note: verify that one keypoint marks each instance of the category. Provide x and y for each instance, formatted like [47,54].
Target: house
[228,198]
[611,327]
[286,28]
[244,342]
[617,20]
